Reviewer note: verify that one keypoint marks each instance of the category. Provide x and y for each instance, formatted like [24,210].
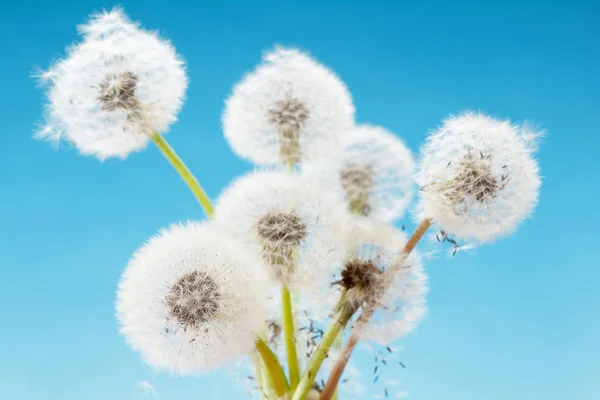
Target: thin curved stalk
[337,345]
[184,172]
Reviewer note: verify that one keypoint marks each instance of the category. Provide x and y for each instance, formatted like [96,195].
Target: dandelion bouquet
[298,260]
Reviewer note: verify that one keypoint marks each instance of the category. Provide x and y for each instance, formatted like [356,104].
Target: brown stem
[365,316]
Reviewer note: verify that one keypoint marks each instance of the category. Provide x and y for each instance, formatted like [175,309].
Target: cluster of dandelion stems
[270,375]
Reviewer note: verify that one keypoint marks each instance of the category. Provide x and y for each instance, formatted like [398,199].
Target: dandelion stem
[258,375]
[314,364]
[337,344]
[342,361]
[273,368]
[288,334]
[184,172]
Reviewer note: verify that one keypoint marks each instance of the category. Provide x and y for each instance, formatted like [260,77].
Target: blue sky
[519,320]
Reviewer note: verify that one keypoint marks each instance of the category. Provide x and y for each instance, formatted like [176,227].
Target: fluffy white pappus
[478,176]
[188,301]
[114,89]
[400,292]
[296,224]
[290,109]
[374,170]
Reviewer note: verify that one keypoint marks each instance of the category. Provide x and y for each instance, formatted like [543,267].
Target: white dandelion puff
[114,89]
[372,280]
[290,109]
[374,170]
[478,176]
[188,301]
[293,222]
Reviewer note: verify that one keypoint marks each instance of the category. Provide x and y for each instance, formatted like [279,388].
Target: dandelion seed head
[292,221]
[187,300]
[289,110]
[397,291]
[478,177]
[113,89]
[373,169]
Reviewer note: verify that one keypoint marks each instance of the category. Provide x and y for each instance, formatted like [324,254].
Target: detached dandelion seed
[147,388]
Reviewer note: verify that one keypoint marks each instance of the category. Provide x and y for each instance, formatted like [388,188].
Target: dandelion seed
[114,89]
[147,388]
[457,248]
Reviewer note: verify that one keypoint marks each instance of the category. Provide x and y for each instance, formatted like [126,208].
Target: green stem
[184,172]
[258,375]
[273,367]
[315,362]
[289,336]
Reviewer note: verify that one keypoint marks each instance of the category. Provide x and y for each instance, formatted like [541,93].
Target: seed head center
[475,179]
[282,229]
[117,91]
[289,116]
[357,180]
[193,299]
[361,274]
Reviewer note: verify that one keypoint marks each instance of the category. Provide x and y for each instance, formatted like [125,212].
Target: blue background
[520,320]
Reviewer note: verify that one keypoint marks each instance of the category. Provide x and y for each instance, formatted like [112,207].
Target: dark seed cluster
[357,180]
[363,282]
[285,229]
[289,116]
[281,233]
[475,179]
[193,299]
[361,274]
[117,91]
